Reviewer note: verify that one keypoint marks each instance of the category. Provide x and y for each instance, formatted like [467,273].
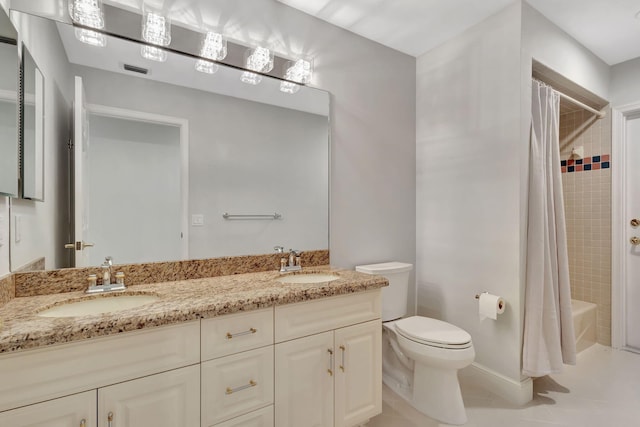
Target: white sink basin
[98,305]
[308,278]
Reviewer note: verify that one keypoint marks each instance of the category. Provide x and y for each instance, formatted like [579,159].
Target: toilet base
[436,393]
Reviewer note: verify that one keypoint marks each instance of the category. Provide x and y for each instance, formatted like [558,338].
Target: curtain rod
[574,101]
[600,114]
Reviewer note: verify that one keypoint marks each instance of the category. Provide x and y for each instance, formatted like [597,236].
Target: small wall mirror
[8,107]
[31,128]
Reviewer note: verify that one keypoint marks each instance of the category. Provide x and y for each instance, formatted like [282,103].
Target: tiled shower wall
[587,196]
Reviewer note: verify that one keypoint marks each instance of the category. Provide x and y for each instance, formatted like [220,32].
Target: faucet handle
[279,249]
[108,260]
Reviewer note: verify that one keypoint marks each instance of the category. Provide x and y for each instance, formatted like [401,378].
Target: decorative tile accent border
[586,164]
[75,279]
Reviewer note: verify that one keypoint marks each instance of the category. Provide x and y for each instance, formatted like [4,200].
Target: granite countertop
[21,328]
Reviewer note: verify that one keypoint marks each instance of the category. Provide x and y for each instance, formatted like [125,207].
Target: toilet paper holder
[486,292]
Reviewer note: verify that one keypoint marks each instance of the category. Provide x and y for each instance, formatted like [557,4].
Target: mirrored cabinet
[9,148]
[31,128]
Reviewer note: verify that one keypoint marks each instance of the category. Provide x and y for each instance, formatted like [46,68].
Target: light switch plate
[197,220]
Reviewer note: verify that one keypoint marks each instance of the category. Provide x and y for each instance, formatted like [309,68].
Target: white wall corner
[517,392]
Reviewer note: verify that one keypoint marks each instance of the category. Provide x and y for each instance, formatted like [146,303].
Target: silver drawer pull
[230,390]
[239,334]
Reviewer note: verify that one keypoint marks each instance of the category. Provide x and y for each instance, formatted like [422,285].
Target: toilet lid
[432,332]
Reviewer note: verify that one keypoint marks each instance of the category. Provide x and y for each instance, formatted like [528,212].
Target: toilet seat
[433,332]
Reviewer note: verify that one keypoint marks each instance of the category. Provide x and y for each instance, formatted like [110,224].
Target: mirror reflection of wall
[8,107]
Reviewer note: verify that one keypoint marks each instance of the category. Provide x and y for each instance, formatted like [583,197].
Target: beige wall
[587,195]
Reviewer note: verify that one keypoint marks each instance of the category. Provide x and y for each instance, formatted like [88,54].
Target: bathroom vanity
[242,350]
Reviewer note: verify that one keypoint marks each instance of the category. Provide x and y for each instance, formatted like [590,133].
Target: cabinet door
[304,382]
[168,399]
[358,386]
[78,410]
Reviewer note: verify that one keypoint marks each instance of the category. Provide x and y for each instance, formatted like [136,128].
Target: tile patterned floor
[602,390]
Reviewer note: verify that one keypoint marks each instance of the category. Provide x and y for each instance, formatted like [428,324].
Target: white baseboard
[516,392]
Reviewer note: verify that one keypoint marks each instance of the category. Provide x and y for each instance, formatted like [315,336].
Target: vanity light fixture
[206,67]
[298,71]
[91,37]
[156,30]
[88,13]
[260,60]
[250,78]
[214,47]
[153,53]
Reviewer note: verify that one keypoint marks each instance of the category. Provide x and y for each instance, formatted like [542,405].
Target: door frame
[183,125]
[620,116]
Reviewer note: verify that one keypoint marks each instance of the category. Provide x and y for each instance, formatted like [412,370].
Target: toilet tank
[394,296]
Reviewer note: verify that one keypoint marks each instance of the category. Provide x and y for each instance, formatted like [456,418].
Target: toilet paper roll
[490,306]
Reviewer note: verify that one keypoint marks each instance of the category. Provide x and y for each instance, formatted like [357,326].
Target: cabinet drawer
[307,318]
[238,332]
[260,418]
[236,384]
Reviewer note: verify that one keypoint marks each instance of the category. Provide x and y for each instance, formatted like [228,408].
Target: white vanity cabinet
[331,378]
[315,363]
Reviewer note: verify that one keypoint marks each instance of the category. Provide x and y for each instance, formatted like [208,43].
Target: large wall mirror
[9,150]
[171,163]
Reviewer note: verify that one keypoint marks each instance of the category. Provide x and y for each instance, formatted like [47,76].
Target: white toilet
[420,356]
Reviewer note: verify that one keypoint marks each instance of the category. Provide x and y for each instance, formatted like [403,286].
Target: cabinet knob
[635,241]
[635,222]
[83,423]
[110,419]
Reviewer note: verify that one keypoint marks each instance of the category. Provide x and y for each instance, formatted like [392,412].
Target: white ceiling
[606,27]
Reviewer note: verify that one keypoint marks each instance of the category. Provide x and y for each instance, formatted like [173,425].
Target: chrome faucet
[106,270]
[106,286]
[292,263]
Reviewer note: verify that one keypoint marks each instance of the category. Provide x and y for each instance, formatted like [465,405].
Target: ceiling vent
[136,69]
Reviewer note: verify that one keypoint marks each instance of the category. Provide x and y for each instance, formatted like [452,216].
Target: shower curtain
[548,326]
